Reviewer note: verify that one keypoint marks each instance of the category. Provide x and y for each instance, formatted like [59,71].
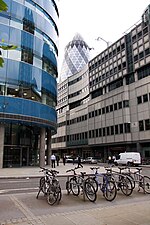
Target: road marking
[17,189]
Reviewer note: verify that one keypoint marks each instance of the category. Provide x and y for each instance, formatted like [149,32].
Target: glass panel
[4,34]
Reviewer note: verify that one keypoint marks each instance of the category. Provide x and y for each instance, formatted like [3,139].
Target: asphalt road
[28,185]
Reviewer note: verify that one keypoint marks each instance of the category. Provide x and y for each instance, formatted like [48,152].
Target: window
[100,132]
[125,103]
[27,56]
[90,114]
[121,128]
[127,128]
[130,78]
[116,129]
[96,132]
[134,38]
[141,55]
[141,125]
[108,133]
[90,134]
[107,109]
[112,130]
[96,112]
[93,133]
[115,106]
[139,34]
[135,58]
[147,124]
[145,98]
[139,99]
[147,51]
[119,105]
[99,111]
[111,108]
[28,26]
[103,110]
[103,131]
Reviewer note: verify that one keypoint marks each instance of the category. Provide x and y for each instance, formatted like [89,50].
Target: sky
[108,19]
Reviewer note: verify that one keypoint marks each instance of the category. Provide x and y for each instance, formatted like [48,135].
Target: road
[28,185]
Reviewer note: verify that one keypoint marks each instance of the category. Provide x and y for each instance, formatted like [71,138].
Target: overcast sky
[107,19]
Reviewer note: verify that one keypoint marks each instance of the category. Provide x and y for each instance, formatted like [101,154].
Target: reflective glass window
[4,34]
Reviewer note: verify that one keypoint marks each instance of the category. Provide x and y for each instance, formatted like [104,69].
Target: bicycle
[142,180]
[122,181]
[77,182]
[107,186]
[50,186]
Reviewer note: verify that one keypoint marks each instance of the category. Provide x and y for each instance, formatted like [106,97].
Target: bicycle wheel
[93,182]
[74,187]
[90,191]
[68,187]
[109,190]
[146,184]
[132,180]
[59,194]
[42,185]
[126,186]
[52,195]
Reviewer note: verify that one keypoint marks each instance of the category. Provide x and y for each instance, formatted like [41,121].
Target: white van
[128,158]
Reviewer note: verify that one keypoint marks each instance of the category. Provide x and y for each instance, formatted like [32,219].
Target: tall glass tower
[28,87]
[75,58]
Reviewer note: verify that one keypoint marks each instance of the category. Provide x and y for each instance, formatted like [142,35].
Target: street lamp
[100,38]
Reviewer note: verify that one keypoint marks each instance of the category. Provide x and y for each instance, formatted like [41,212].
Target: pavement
[25,209]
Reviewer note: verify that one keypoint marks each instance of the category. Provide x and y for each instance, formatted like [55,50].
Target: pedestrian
[64,159]
[113,158]
[53,159]
[79,161]
[109,159]
[57,159]
[73,159]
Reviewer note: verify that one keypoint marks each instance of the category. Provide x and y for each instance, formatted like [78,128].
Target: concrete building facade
[28,87]
[105,108]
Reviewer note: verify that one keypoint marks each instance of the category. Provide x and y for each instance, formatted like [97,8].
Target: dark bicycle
[78,182]
[50,186]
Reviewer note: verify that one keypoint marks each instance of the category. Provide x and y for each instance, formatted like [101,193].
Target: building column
[2,131]
[42,147]
[49,150]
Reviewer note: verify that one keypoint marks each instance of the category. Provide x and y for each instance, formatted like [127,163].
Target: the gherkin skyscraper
[75,58]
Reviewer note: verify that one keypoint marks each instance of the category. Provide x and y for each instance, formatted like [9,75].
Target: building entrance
[16,157]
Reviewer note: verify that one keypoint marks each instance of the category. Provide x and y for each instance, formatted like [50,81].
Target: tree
[4,7]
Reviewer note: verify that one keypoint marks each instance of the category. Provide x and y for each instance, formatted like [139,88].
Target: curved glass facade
[28,87]
[76,57]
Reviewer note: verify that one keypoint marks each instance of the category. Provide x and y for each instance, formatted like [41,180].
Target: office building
[75,58]
[28,87]
[104,109]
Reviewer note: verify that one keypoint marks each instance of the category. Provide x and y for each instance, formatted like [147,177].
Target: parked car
[69,159]
[90,160]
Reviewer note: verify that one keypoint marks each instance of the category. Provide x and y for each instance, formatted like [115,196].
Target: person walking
[57,159]
[53,159]
[79,161]
[64,159]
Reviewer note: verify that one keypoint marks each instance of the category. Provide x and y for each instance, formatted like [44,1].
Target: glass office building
[75,58]
[28,87]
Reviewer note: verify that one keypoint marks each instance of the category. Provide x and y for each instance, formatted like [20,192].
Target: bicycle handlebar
[77,167]
[53,172]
